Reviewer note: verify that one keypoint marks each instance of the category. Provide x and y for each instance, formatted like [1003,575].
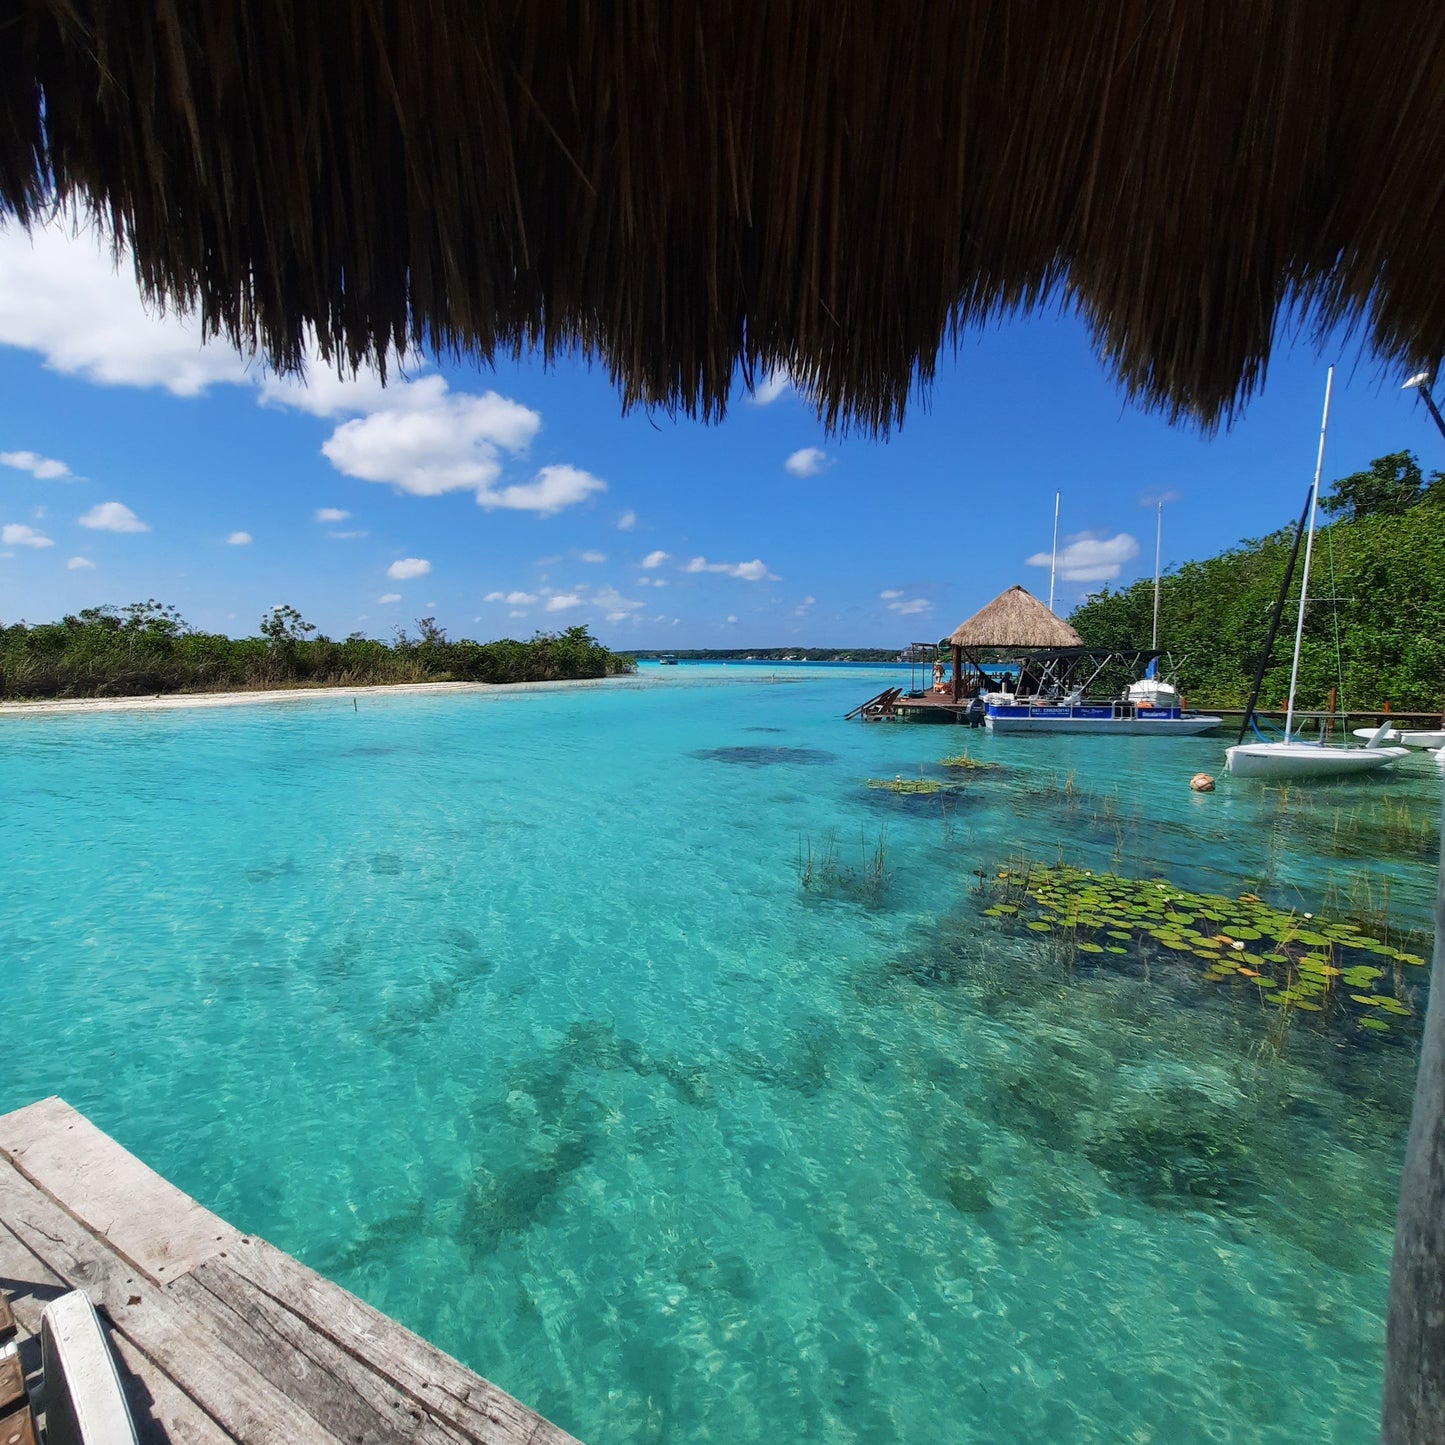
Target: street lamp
[1421,382]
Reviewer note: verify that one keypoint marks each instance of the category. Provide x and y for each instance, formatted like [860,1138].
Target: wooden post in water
[1329,726]
[957,670]
[1415,1333]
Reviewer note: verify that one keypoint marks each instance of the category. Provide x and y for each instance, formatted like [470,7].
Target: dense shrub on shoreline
[1375,624]
[147,648]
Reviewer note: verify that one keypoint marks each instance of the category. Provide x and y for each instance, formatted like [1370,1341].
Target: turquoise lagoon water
[511,1014]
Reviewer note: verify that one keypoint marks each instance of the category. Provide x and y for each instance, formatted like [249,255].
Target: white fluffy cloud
[429,441]
[46,468]
[405,568]
[655,559]
[17,534]
[910,606]
[562,601]
[902,604]
[239,539]
[1090,556]
[389,597]
[61,294]
[112,517]
[772,385]
[593,556]
[617,607]
[627,521]
[77,563]
[754,571]
[552,489]
[512,599]
[808,462]
[331,514]
[322,392]
[801,610]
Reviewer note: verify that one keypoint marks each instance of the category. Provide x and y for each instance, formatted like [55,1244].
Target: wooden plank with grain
[144,1218]
[226,1387]
[344,1393]
[164,1414]
[474,1407]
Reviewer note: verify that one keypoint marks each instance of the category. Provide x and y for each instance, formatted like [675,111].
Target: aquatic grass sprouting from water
[1386,828]
[823,874]
[1313,962]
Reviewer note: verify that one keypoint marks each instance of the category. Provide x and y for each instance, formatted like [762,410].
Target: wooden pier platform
[219,1336]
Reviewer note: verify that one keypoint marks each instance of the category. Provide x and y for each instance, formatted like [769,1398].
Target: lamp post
[1421,382]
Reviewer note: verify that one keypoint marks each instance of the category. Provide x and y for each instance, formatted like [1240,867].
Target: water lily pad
[1412,958]
[1039,926]
[1379,1025]
[1091,948]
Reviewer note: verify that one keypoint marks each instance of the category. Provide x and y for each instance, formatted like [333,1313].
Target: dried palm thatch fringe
[682,190]
[1015,618]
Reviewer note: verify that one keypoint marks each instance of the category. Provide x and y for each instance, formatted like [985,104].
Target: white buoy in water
[1201,783]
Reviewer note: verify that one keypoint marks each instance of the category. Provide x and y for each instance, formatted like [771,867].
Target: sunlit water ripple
[510,1013]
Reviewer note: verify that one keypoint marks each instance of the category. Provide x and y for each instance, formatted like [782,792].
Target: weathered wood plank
[451,1392]
[226,1387]
[345,1394]
[237,1340]
[163,1413]
[162,1231]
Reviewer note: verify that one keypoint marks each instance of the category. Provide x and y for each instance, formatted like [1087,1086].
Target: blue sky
[136,463]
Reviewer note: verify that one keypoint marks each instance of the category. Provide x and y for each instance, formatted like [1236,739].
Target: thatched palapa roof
[1015,618]
[685,189]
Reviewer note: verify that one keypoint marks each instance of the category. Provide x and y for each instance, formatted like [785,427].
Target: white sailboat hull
[1410,738]
[1307,760]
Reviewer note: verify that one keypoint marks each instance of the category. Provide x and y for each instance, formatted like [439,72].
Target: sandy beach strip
[50,707]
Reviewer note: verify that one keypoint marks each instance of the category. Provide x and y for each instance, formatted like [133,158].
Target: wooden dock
[218,1335]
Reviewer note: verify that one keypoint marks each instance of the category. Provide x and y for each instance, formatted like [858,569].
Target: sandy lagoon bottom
[511,1013]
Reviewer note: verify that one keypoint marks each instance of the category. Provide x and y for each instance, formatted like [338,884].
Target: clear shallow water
[510,1014]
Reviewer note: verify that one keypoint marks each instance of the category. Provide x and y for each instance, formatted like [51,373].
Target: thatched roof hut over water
[1015,618]
[681,190]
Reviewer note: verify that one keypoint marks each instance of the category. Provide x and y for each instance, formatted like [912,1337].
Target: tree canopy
[1375,624]
[1389,488]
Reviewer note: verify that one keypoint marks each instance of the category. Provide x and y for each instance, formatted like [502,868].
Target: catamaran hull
[1409,738]
[1178,727]
[1307,760]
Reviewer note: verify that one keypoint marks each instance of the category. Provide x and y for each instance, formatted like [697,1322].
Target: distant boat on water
[1289,757]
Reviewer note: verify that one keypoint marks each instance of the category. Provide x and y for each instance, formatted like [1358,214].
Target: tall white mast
[1054,558]
[1158,544]
[1304,587]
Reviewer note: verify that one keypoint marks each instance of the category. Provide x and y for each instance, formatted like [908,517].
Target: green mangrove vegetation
[1375,627]
[148,648]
